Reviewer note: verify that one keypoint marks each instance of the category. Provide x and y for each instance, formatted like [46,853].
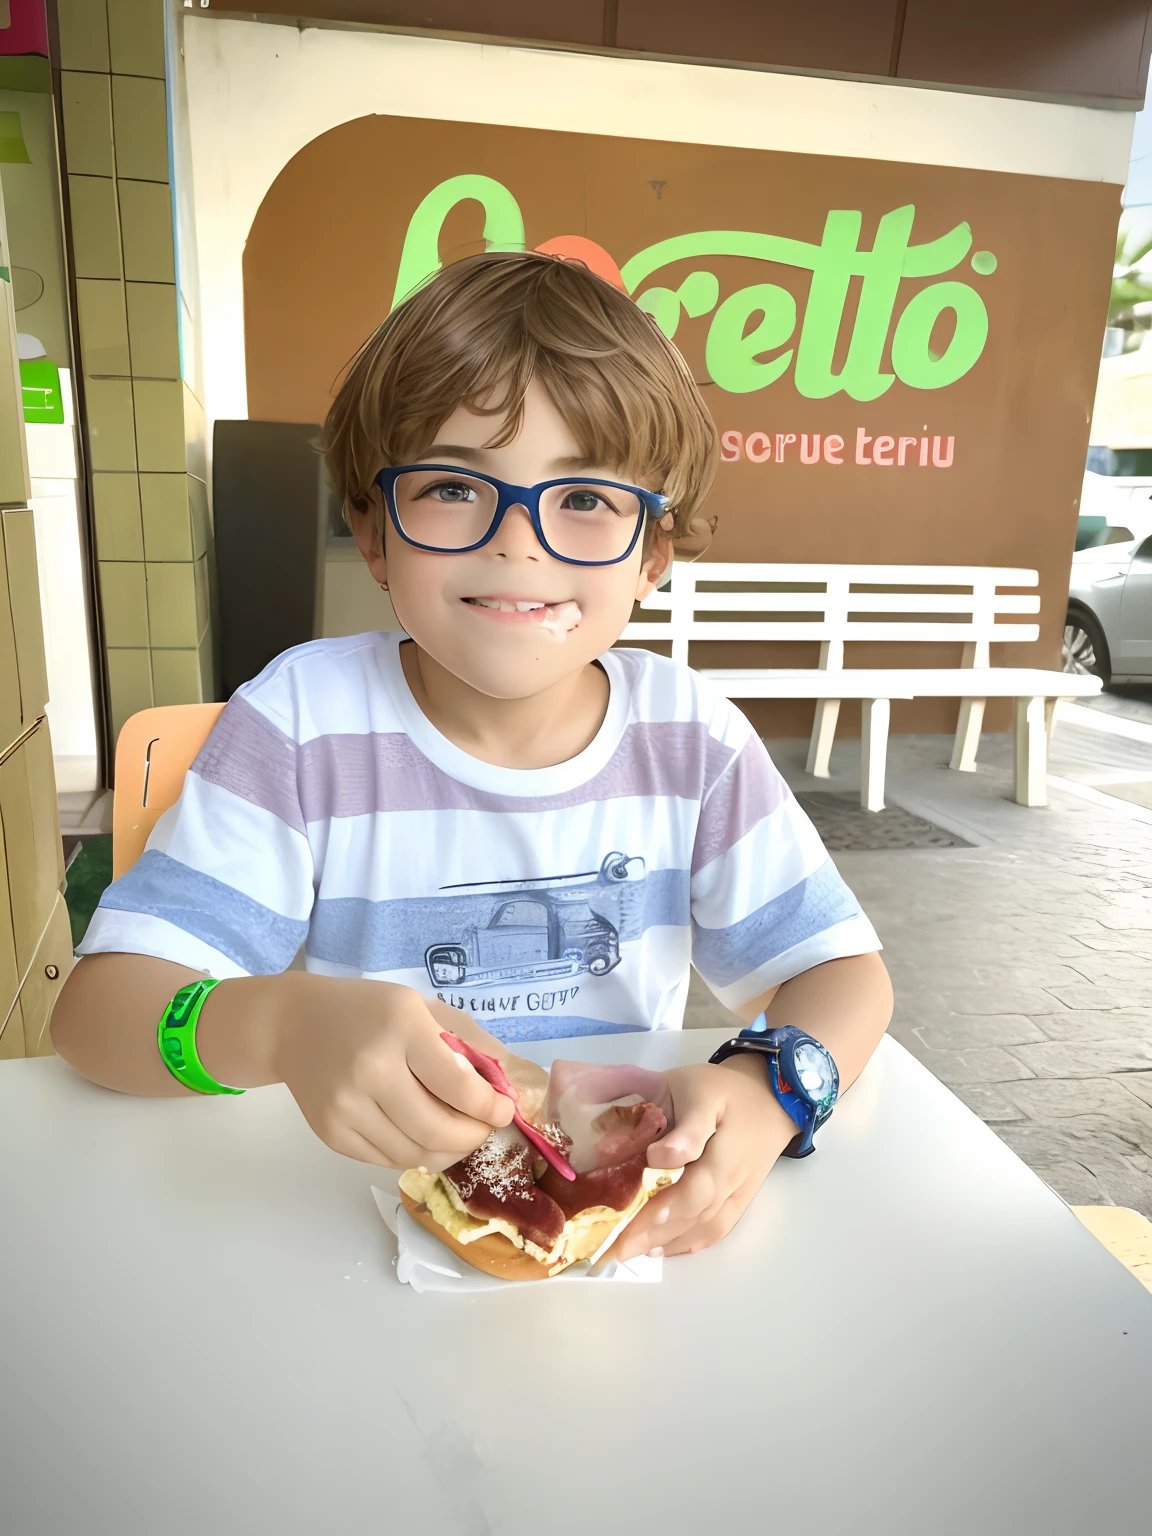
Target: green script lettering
[420,258]
[734,354]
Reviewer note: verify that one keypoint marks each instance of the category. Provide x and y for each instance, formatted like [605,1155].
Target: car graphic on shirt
[539,930]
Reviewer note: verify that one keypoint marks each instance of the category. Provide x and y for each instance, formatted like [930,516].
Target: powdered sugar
[503,1164]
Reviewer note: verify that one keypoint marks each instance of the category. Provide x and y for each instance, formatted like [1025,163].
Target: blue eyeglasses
[450,511]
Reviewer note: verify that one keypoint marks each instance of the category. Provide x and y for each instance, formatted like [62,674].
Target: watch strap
[176,1037]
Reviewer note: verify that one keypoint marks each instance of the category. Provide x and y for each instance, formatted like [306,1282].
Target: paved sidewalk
[1023,964]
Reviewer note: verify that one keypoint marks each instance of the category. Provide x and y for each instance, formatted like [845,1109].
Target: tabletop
[201,1335]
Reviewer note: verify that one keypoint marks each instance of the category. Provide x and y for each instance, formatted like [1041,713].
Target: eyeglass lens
[581,521]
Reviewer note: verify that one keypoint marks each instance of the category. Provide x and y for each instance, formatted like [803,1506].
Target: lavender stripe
[749,791]
[252,758]
[554,1026]
[259,940]
[356,775]
[811,907]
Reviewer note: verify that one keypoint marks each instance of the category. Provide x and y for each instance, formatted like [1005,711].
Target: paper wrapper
[426,1265]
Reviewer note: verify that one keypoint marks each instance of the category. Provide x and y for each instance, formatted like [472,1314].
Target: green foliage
[1130,285]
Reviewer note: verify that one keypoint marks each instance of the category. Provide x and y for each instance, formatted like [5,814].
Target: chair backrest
[832,604]
[154,751]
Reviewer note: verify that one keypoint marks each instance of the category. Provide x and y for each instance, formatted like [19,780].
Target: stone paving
[1022,964]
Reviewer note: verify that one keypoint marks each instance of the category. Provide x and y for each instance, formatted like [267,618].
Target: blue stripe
[395,935]
[811,907]
[553,1026]
[255,938]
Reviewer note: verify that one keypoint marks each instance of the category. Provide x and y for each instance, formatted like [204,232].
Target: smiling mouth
[558,618]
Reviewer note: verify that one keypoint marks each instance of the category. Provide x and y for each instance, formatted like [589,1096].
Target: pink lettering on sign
[883,451]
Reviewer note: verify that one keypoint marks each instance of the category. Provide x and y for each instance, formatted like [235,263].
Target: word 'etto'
[752,339]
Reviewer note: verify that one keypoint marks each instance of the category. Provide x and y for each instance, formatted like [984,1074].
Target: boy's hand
[365,1062]
[730,1129]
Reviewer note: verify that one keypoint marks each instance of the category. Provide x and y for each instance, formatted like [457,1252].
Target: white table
[200,1335]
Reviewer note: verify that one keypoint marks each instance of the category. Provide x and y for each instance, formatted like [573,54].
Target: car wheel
[1085,648]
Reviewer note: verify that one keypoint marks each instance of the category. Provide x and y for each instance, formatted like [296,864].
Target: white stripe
[772,857]
[214,831]
[138,933]
[386,855]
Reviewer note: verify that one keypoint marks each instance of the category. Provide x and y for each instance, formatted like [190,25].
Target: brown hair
[477,334]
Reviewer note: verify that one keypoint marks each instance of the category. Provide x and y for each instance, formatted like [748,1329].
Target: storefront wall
[893,297]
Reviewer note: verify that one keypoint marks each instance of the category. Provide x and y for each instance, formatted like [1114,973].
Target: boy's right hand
[365,1062]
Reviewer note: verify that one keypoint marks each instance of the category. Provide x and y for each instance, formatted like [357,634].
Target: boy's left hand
[730,1129]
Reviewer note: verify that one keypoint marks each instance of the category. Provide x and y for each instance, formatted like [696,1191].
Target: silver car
[1108,631]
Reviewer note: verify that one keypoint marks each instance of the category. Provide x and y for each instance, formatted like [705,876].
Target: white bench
[835,605]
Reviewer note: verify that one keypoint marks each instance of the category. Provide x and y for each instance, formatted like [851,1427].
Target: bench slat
[897,575]
[901,683]
[825,629]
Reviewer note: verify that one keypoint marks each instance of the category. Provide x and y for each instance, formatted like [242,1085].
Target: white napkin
[425,1264]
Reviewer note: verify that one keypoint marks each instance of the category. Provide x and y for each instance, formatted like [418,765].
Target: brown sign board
[901,358]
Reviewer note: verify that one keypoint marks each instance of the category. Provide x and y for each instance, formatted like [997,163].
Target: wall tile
[207,655]
[140,116]
[146,228]
[83,34]
[116,509]
[176,677]
[152,330]
[23,603]
[95,228]
[111,430]
[87,104]
[123,603]
[201,522]
[136,37]
[167,523]
[195,436]
[129,685]
[172,604]
[159,424]
[202,597]
[103,326]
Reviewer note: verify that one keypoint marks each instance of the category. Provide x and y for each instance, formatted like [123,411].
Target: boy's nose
[516,538]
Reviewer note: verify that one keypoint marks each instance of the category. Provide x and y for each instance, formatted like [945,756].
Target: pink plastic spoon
[492,1072]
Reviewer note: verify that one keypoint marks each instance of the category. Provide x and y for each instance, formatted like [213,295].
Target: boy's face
[446,602]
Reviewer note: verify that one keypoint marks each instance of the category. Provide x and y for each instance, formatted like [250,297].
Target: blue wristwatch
[801,1074]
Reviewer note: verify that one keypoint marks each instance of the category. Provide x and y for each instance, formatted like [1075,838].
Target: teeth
[504,607]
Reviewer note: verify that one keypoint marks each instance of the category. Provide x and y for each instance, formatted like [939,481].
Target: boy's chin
[521,681]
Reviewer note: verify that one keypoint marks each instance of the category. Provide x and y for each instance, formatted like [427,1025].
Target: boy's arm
[729,1129]
[363,1059]
[846,1004]
[106,1017]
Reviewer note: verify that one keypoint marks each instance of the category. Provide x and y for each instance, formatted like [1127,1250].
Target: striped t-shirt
[326,811]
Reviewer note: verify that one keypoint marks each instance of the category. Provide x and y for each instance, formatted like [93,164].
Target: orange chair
[154,751]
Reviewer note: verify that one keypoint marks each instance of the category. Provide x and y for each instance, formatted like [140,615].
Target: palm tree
[1131,284]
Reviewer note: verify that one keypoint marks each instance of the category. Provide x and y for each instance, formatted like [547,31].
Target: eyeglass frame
[652,503]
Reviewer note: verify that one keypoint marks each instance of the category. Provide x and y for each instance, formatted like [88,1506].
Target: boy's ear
[657,560]
[367,525]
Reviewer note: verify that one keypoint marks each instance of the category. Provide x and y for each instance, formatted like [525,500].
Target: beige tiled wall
[145,425]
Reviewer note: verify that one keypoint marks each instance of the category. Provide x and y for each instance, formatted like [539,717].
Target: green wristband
[176,1037]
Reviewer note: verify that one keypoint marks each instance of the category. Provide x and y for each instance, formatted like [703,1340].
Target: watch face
[813,1071]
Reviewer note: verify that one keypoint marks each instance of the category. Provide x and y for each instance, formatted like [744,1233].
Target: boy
[500,814]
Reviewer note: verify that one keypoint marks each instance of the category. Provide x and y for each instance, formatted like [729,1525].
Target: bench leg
[1031,742]
[967,742]
[1050,720]
[874,716]
[823,734]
